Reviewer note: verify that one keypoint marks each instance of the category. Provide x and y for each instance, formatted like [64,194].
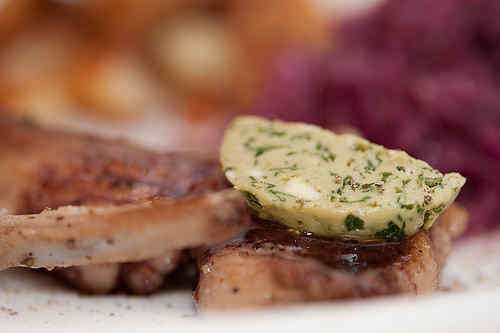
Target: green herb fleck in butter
[333,185]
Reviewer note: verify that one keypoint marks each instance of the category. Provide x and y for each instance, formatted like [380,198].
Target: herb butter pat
[333,185]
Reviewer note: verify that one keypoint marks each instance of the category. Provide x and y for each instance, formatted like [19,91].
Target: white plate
[31,301]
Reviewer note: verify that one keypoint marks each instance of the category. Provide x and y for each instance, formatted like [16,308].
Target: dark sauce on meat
[349,255]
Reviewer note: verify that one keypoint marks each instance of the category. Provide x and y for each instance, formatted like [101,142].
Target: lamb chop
[45,168]
[42,169]
[270,265]
[350,219]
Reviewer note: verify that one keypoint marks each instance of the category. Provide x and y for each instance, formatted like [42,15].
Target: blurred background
[146,69]
[420,75]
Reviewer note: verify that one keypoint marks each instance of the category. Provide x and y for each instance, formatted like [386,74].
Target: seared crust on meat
[41,168]
[266,268]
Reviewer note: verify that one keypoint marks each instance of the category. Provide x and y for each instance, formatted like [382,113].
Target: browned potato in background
[34,69]
[224,55]
[14,14]
[113,82]
[101,61]
[124,20]
[266,27]
[198,53]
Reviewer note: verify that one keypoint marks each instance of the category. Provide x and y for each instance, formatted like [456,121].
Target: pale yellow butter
[333,185]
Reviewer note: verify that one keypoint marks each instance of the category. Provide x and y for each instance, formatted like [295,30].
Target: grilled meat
[142,277]
[267,265]
[42,169]
[271,265]
[71,236]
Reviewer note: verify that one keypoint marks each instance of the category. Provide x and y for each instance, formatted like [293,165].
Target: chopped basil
[438,209]
[370,166]
[420,180]
[392,233]
[386,175]
[281,196]
[263,149]
[363,199]
[353,223]
[325,153]
[271,131]
[347,181]
[298,172]
[407,206]
[372,187]
[431,182]
[428,216]
[277,171]
[259,150]
[361,146]
[301,136]
[252,200]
